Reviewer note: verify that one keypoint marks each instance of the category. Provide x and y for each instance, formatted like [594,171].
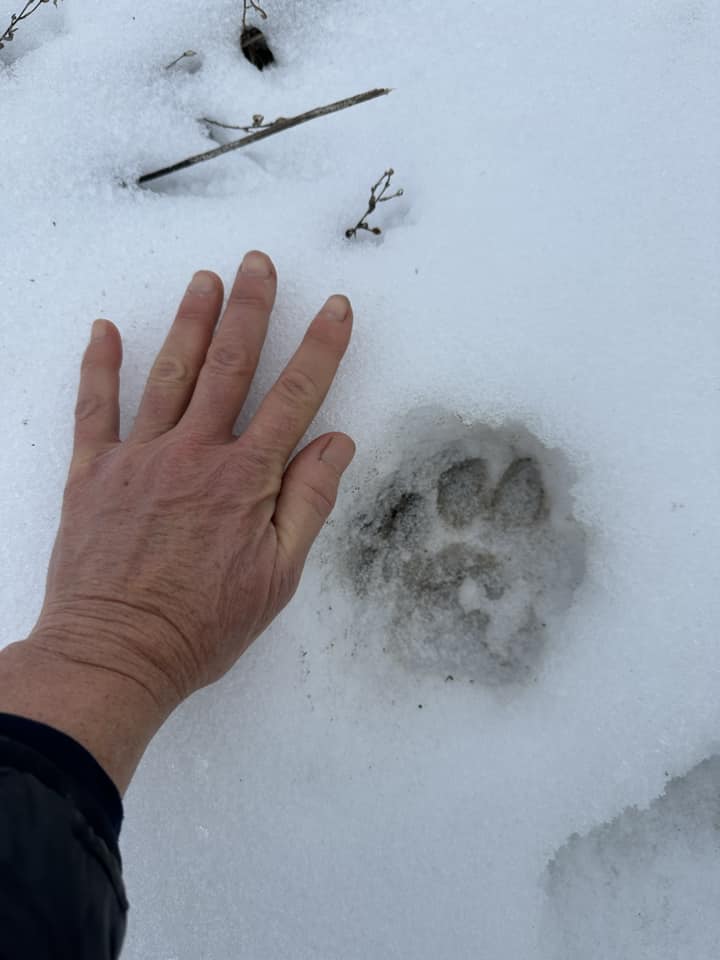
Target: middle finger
[232,358]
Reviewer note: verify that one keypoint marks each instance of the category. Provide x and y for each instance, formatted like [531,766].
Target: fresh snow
[547,285]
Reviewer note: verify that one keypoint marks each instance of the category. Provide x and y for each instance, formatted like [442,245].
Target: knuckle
[182,467]
[186,443]
[249,299]
[231,360]
[297,387]
[320,501]
[257,461]
[88,406]
[171,370]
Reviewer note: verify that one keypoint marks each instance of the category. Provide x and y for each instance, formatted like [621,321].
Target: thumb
[308,493]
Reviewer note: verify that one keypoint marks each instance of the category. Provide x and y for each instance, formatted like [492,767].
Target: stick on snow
[282,123]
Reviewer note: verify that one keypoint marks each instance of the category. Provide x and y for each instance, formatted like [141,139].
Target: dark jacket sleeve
[61,888]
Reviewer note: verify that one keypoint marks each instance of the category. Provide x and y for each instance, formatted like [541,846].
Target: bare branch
[252,5]
[282,123]
[15,18]
[187,53]
[375,199]
[257,123]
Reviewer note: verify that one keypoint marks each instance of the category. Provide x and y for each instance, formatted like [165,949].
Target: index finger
[297,395]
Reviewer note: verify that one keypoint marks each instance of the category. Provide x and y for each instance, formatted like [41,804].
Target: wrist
[59,679]
[121,641]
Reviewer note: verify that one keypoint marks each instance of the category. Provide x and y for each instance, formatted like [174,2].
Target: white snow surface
[553,263]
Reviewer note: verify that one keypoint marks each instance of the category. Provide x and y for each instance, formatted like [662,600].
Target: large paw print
[471,550]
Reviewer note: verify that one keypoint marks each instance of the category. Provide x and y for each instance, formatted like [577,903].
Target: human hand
[179,545]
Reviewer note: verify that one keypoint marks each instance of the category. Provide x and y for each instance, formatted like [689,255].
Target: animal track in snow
[645,883]
[470,543]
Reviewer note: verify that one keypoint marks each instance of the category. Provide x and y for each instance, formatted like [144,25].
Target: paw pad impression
[470,544]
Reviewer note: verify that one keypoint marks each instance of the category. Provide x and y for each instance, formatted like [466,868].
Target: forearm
[110,713]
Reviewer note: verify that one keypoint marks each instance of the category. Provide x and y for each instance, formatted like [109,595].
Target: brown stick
[282,123]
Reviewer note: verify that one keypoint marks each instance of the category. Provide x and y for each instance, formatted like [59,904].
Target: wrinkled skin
[179,545]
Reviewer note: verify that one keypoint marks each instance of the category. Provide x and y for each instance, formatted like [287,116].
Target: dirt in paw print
[461,490]
[470,543]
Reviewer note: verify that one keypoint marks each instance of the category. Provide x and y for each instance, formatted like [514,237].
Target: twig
[282,123]
[187,53]
[252,5]
[257,123]
[15,18]
[374,200]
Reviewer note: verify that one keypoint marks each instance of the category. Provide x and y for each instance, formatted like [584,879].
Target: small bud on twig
[373,201]
[188,53]
[257,123]
[15,18]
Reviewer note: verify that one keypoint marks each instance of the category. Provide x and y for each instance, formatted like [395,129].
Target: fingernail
[256,264]
[337,306]
[99,329]
[339,453]
[202,282]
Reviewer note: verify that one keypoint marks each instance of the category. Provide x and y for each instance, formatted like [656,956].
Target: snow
[552,264]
